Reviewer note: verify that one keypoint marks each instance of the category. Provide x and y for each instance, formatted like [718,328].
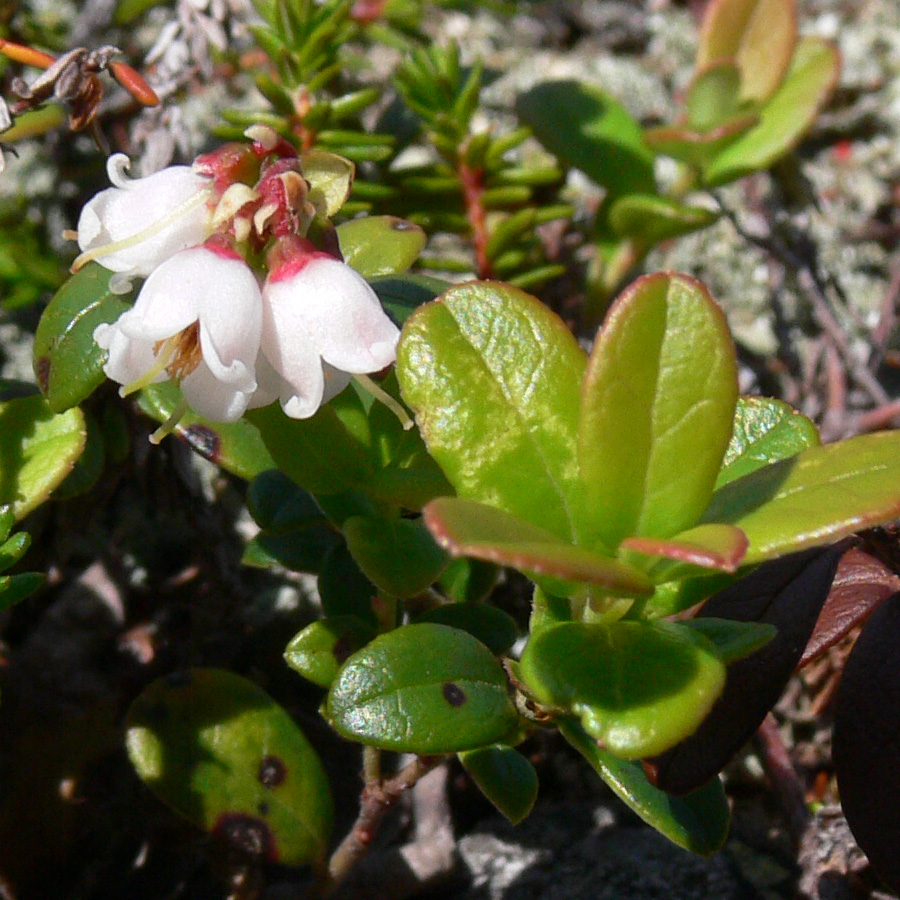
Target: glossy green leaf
[765,430]
[37,450]
[759,35]
[652,219]
[786,117]
[657,410]
[67,363]
[380,245]
[465,527]
[712,97]
[733,640]
[815,497]
[399,556]
[219,751]
[697,822]
[505,777]
[422,689]
[15,588]
[589,129]
[88,467]
[494,379]
[319,651]
[494,628]
[321,454]
[234,446]
[637,687]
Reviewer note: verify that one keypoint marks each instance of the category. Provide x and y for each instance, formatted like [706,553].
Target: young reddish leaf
[759,35]
[815,497]
[505,777]
[785,118]
[657,410]
[860,585]
[866,742]
[787,593]
[637,687]
[220,752]
[422,689]
[465,527]
[589,129]
[698,148]
[765,430]
[706,546]
[697,822]
[712,97]
[494,378]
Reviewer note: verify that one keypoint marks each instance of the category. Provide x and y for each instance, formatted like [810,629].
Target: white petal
[290,351]
[120,213]
[342,314]
[128,359]
[212,398]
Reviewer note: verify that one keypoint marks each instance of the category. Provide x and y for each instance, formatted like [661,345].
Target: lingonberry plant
[404,439]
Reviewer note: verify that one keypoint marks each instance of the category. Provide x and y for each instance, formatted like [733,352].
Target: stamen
[164,356]
[384,397]
[169,425]
[151,231]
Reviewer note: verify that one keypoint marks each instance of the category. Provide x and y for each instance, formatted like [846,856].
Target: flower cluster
[238,306]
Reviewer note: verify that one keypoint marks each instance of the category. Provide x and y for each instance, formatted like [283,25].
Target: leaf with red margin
[706,546]
[469,528]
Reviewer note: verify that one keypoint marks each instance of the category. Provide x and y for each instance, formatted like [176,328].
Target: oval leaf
[652,219]
[657,410]
[787,116]
[37,450]
[765,430]
[637,687]
[815,497]
[422,689]
[68,364]
[380,245]
[234,446]
[759,35]
[319,651]
[219,751]
[505,777]
[867,738]
[494,378]
[494,628]
[589,129]
[697,822]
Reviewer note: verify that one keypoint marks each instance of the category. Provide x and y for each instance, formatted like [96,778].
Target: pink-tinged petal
[341,312]
[120,213]
[268,384]
[290,351]
[128,360]
[212,398]
[335,381]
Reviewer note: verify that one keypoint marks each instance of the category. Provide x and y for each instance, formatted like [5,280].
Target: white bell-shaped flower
[322,323]
[139,223]
[197,321]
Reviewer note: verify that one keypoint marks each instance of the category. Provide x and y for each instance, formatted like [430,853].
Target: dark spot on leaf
[342,648]
[248,834]
[178,679]
[263,808]
[272,771]
[42,371]
[204,440]
[454,694]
